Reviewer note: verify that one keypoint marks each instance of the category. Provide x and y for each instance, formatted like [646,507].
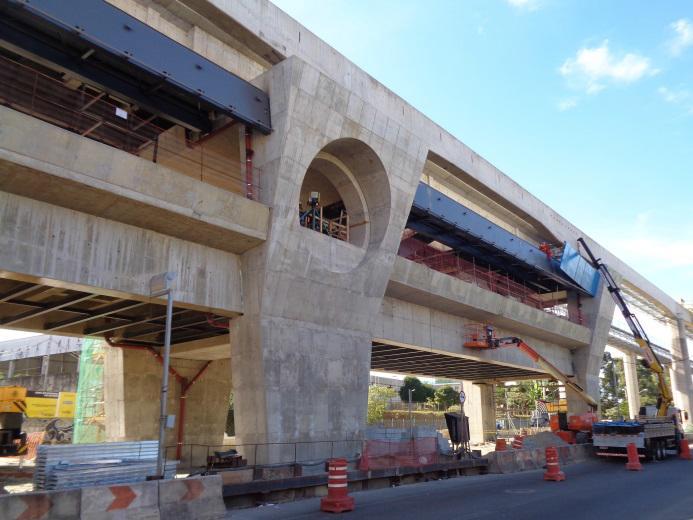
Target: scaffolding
[89,422]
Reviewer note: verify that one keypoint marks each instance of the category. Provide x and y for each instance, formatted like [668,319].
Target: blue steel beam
[105,45]
[441,218]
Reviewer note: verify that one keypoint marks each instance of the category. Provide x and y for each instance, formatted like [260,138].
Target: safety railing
[89,113]
[448,262]
[195,456]
[309,457]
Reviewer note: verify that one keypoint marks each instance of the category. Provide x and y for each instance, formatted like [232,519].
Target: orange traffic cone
[553,471]
[685,450]
[501,445]
[337,499]
[633,463]
[518,442]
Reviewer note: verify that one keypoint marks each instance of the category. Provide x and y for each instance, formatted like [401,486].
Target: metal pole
[158,286]
[164,386]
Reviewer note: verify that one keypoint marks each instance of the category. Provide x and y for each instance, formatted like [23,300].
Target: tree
[421,392]
[446,396]
[612,388]
[378,399]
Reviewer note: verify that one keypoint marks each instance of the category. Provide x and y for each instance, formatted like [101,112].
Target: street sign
[462,397]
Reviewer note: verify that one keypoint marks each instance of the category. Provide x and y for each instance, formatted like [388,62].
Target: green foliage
[446,396]
[421,392]
[378,399]
[612,392]
[521,398]
[613,384]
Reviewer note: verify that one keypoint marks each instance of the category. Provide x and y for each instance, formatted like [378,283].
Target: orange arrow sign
[124,495]
[195,489]
[36,507]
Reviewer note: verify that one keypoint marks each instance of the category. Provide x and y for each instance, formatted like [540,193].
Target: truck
[657,430]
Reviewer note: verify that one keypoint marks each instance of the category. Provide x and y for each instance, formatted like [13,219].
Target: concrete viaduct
[285,301]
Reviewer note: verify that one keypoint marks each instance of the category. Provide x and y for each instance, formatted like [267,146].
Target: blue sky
[586,103]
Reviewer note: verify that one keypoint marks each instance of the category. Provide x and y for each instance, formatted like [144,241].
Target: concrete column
[480,408]
[597,314]
[11,368]
[681,368]
[632,388]
[300,354]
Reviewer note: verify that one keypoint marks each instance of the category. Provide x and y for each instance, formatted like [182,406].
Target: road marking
[520,491]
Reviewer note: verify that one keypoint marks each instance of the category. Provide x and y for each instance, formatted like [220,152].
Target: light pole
[411,419]
[158,286]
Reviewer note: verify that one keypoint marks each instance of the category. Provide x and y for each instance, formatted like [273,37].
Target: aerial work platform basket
[479,336]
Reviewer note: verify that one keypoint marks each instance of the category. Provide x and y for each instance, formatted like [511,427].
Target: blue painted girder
[114,50]
[438,217]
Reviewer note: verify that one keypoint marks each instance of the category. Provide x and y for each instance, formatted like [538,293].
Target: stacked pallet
[76,465]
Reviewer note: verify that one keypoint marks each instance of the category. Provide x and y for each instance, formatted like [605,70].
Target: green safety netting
[89,423]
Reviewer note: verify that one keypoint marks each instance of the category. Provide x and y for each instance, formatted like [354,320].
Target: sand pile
[543,440]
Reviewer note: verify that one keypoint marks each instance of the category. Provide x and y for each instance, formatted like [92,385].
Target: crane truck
[656,430]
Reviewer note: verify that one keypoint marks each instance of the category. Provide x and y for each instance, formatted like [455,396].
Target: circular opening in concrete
[345,193]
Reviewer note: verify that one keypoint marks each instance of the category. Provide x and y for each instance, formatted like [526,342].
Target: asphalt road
[592,490]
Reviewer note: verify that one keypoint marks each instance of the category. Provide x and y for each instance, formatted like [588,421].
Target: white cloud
[680,97]
[660,251]
[673,96]
[683,38]
[529,5]
[567,104]
[593,68]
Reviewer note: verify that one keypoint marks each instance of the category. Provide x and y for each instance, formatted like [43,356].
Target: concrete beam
[44,162]
[415,326]
[51,245]
[419,284]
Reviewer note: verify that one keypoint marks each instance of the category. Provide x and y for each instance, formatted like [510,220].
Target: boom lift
[575,427]
[652,433]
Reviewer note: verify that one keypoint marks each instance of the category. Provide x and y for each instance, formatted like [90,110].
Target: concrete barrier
[44,505]
[513,461]
[200,498]
[138,501]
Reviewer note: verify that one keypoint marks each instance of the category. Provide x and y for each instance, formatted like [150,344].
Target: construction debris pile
[77,465]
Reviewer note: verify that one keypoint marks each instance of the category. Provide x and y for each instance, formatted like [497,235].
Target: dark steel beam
[100,313]
[131,59]
[160,329]
[94,331]
[49,308]
[19,291]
